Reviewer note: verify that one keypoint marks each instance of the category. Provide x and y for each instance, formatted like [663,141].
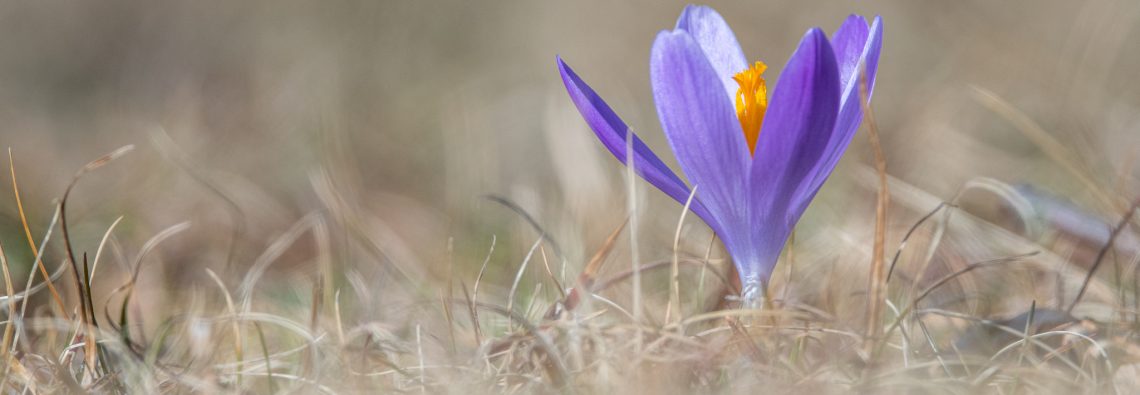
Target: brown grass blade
[31,240]
[878,286]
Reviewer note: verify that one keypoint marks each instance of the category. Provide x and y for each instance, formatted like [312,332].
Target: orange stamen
[751,102]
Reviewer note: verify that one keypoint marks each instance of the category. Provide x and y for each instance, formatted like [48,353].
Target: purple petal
[800,119]
[848,43]
[755,252]
[702,128]
[796,129]
[854,53]
[717,41]
[612,132]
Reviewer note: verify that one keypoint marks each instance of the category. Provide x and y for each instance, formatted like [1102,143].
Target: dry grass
[397,198]
[337,329]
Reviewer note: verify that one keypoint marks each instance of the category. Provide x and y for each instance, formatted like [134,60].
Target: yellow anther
[751,102]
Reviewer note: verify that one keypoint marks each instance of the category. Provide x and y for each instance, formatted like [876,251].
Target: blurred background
[390,122]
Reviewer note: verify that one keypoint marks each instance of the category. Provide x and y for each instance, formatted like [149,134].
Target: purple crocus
[755,162]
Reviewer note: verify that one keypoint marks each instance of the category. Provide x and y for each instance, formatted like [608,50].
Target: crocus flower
[756,162]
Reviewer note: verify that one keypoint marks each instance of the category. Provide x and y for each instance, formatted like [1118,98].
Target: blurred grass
[345,150]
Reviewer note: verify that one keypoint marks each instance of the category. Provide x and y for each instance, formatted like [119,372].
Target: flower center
[751,102]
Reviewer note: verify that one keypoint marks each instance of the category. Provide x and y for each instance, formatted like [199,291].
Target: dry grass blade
[1101,253]
[31,241]
[475,292]
[472,311]
[550,273]
[337,318]
[170,150]
[877,281]
[236,327]
[9,325]
[345,210]
[102,244]
[129,288]
[105,159]
[270,255]
[449,317]
[675,282]
[946,279]
[626,274]
[590,272]
[153,242]
[519,274]
[420,353]
[906,238]
[1026,333]
[86,304]
[934,348]
[588,277]
[327,273]
[631,207]
[529,220]
[558,372]
[29,289]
